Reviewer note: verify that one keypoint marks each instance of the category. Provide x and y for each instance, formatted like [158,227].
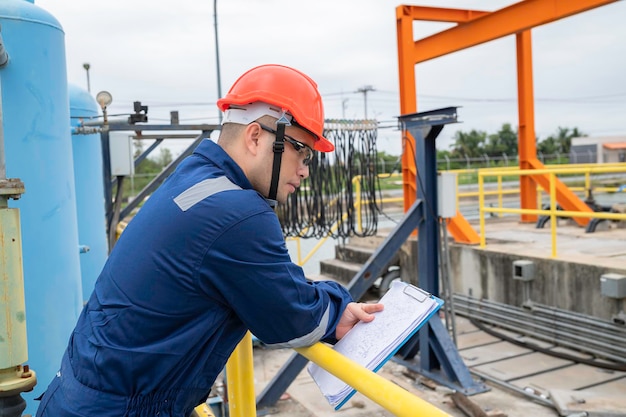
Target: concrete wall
[483,273]
[565,285]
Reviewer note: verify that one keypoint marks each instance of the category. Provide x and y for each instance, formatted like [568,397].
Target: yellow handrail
[385,393]
[552,212]
[393,398]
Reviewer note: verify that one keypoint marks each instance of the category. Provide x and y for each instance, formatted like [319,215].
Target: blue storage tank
[88,180]
[38,150]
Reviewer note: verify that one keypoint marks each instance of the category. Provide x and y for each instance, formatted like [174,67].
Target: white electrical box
[446,194]
[523,270]
[121,151]
[613,285]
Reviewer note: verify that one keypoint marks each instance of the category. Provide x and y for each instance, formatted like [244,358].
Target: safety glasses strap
[279,148]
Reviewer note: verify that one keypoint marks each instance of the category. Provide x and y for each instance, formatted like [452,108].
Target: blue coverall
[203,261]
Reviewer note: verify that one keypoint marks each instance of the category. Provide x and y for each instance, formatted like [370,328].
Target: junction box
[523,270]
[613,285]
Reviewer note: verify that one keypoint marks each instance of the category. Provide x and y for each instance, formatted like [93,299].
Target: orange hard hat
[284,87]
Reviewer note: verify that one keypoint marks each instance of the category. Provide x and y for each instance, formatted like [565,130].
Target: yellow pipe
[481,210]
[564,213]
[500,193]
[599,170]
[390,396]
[357,188]
[240,380]
[553,212]
[299,251]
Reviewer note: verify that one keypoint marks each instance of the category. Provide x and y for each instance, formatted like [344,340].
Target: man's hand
[354,313]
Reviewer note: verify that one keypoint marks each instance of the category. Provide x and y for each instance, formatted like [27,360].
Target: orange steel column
[526,145]
[459,227]
[408,100]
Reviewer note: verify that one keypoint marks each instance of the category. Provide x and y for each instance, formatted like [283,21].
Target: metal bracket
[12,188]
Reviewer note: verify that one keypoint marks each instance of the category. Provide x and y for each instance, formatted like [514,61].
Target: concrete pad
[594,404]
[521,366]
[469,340]
[617,387]
[464,325]
[525,339]
[491,353]
[570,378]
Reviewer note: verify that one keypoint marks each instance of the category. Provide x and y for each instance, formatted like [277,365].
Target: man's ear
[252,137]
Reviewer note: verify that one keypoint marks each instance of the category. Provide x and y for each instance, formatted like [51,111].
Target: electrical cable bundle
[324,205]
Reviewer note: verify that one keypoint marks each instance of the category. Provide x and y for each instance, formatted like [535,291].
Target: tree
[164,158]
[505,141]
[561,142]
[387,163]
[470,144]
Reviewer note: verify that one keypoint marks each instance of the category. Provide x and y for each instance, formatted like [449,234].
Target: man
[203,261]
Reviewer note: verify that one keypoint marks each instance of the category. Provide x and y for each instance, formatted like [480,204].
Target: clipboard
[372,344]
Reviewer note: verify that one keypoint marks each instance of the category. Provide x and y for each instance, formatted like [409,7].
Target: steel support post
[437,352]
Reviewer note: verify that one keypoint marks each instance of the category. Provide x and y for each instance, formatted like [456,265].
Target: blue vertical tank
[38,150]
[88,180]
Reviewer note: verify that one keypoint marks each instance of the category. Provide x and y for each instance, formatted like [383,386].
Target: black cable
[327,197]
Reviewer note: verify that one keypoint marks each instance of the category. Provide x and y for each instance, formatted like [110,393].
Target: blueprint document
[372,344]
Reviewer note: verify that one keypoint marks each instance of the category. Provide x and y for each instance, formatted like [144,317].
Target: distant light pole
[365,90]
[87,66]
[217,58]
[344,104]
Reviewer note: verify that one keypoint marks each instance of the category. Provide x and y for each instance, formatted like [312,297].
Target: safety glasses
[301,148]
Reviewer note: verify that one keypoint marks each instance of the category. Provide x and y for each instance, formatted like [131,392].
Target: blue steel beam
[437,352]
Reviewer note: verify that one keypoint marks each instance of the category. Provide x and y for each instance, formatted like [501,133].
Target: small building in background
[598,149]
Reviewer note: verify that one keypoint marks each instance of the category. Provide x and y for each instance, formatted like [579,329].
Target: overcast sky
[163,54]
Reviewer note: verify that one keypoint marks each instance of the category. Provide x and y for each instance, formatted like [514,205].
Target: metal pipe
[240,380]
[390,396]
[217,58]
[609,349]
[534,397]
[523,321]
[575,322]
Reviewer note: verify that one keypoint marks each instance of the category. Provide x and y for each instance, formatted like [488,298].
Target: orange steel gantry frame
[473,28]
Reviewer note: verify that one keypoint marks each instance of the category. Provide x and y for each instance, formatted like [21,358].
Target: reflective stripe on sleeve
[308,339]
[198,192]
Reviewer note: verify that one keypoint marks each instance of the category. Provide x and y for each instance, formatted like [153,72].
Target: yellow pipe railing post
[500,193]
[385,393]
[357,188]
[553,212]
[481,209]
[240,380]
